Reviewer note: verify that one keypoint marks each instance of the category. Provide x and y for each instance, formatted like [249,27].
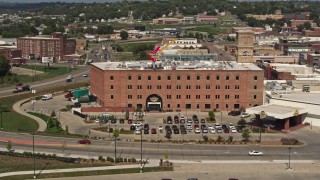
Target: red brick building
[12,55]
[57,45]
[200,85]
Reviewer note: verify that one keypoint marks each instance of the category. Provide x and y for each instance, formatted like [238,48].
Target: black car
[183,131]
[132,128]
[121,121]
[167,127]
[174,127]
[176,131]
[168,131]
[196,121]
[146,131]
[224,126]
[113,121]
[182,126]
[146,127]
[169,120]
[234,113]
[194,117]
[203,126]
[203,121]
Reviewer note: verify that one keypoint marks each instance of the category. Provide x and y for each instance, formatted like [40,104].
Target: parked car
[84,141]
[84,75]
[176,131]
[138,123]
[194,117]
[203,121]
[224,126]
[189,126]
[146,127]
[176,119]
[233,130]
[183,131]
[255,153]
[197,130]
[153,131]
[146,131]
[137,132]
[217,125]
[212,131]
[226,130]
[203,126]
[189,120]
[196,121]
[169,120]
[196,126]
[167,127]
[219,130]
[129,121]
[244,115]
[234,113]
[231,126]
[182,121]
[121,121]
[160,128]
[113,121]
[205,130]
[132,128]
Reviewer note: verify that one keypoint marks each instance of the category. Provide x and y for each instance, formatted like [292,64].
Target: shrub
[289,141]
[205,138]
[133,160]
[125,160]
[129,160]
[100,157]
[111,160]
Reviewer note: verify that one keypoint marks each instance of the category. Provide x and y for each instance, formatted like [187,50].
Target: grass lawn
[9,164]
[48,72]
[128,46]
[15,122]
[94,173]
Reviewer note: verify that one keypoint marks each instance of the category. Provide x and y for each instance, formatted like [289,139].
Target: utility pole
[141,149]
[1,110]
[34,160]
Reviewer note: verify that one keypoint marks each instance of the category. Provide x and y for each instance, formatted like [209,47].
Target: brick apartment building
[201,85]
[57,45]
[12,55]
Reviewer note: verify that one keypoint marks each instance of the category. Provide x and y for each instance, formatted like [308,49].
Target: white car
[197,130]
[210,126]
[160,128]
[189,126]
[84,75]
[231,126]
[255,153]
[212,131]
[137,123]
[189,121]
[137,132]
[244,115]
[217,125]
[233,130]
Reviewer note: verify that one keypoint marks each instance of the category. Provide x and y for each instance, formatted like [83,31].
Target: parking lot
[192,123]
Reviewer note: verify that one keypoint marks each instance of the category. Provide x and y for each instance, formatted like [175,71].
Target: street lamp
[261,115]
[289,167]
[33,155]
[141,149]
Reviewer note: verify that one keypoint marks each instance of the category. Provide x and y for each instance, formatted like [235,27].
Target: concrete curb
[17,108]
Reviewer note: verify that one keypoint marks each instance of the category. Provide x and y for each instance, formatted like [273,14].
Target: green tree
[246,135]
[50,123]
[4,65]
[116,133]
[242,123]
[9,145]
[212,116]
[67,129]
[307,25]
[127,113]
[300,27]
[124,35]
[53,114]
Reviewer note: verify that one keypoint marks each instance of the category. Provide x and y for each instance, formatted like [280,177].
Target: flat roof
[302,97]
[276,111]
[176,65]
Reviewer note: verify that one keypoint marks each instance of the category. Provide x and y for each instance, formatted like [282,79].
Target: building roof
[276,111]
[177,65]
[301,97]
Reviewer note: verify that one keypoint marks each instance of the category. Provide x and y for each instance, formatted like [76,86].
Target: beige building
[245,45]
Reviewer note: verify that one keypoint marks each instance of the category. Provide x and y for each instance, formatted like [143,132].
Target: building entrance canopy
[277,111]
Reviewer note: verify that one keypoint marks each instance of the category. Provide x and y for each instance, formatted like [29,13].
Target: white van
[47,97]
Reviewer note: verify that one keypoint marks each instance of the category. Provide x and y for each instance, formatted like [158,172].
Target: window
[217,86]
[139,87]
[188,87]
[111,87]
[226,96]
[255,77]
[207,106]
[254,87]
[139,77]
[149,87]
[159,77]
[188,96]
[198,77]
[227,105]
[178,106]
[178,77]
[139,96]
[168,86]
[236,87]
[129,77]
[217,77]
[197,86]
[208,77]
[178,86]
[178,96]
[168,96]
[149,78]
[198,106]
[188,77]
[227,77]
[168,77]
[207,86]
[237,96]
[217,96]
[129,86]
[168,106]
[129,96]
[217,106]
[227,87]
[129,105]
[254,96]
[188,106]
[197,96]
[158,86]
[111,97]
[111,77]
[237,77]
[207,96]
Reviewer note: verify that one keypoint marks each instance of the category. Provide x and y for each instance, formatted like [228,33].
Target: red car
[176,119]
[84,141]
[69,95]
[196,126]
[129,121]
[226,130]
[153,131]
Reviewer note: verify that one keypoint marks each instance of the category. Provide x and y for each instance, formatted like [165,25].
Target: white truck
[47,97]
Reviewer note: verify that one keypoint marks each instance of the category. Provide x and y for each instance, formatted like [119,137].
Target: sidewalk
[42,124]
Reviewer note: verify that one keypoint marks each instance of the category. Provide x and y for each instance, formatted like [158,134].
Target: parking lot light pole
[289,148]
[141,149]
[34,160]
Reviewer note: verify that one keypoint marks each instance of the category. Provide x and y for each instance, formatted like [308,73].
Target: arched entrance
[154,102]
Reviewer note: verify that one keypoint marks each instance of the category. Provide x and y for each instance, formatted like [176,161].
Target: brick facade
[196,89]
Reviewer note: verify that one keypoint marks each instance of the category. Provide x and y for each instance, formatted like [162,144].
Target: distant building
[206,19]
[245,45]
[57,45]
[266,16]
[167,21]
[13,55]
[313,60]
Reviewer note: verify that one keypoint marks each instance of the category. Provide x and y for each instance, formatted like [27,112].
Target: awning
[277,111]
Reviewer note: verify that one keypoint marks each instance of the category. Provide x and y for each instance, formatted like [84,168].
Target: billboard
[47,60]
